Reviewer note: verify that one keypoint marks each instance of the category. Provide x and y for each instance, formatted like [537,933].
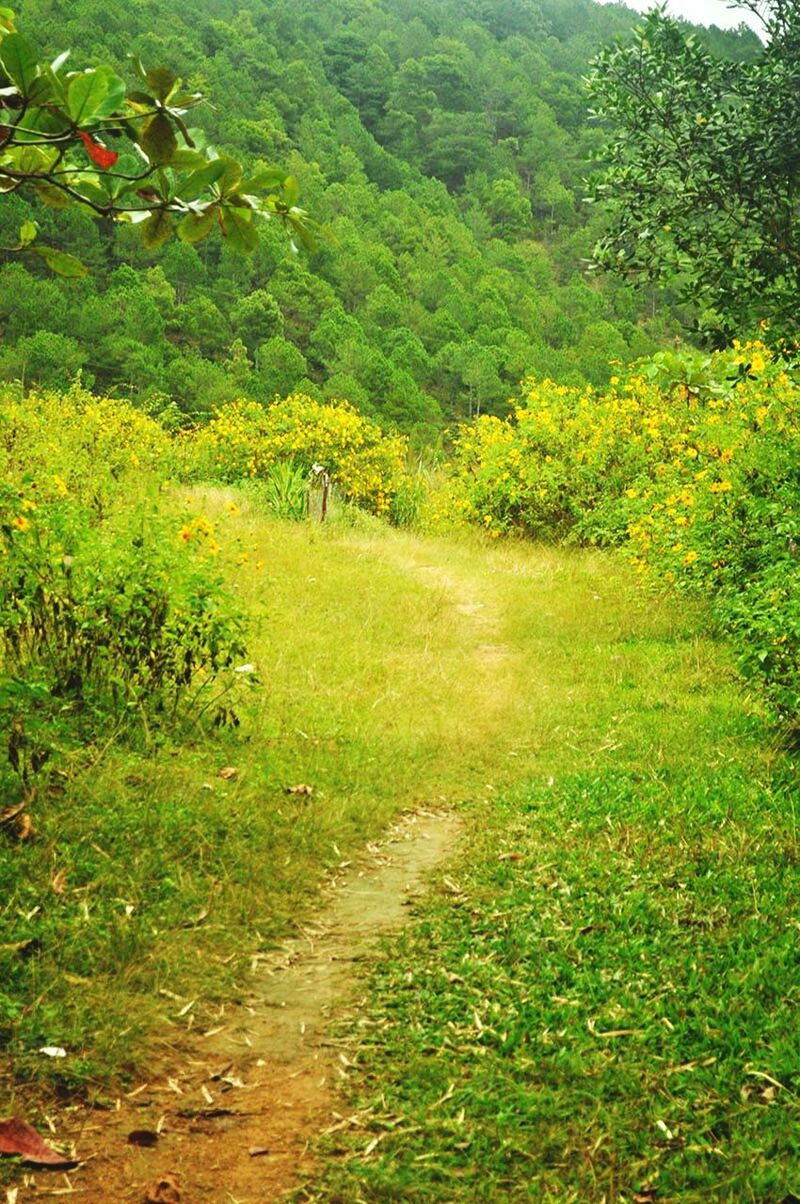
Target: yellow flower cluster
[245,439]
[640,463]
[75,445]
[200,532]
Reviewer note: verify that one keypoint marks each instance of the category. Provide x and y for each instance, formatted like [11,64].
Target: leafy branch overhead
[700,172]
[84,138]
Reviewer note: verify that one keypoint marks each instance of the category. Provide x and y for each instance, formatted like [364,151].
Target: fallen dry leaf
[303,788]
[9,813]
[164,1191]
[228,773]
[59,882]
[257,1151]
[18,1137]
[23,948]
[511,857]
[146,1138]
[25,828]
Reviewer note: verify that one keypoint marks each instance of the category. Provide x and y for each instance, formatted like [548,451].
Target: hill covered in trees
[442,144]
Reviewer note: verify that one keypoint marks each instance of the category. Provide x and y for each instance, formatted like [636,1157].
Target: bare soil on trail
[229,1116]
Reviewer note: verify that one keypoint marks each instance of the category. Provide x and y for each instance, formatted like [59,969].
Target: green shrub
[111,618]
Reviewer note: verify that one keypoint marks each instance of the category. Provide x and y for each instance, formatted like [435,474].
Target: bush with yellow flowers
[107,616]
[246,440]
[78,445]
[691,461]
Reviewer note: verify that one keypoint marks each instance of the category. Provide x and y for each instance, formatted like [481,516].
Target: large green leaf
[197,226]
[86,94]
[94,188]
[161,80]
[231,176]
[187,160]
[157,229]
[51,196]
[27,233]
[58,84]
[41,89]
[158,139]
[115,96]
[19,61]
[61,263]
[202,179]
[291,190]
[30,160]
[240,230]
[265,178]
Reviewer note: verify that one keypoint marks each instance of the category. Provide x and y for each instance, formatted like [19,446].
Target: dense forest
[442,145]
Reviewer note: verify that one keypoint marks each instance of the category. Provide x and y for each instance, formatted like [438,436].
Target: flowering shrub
[245,440]
[108,615]
[697,472]
[77,445]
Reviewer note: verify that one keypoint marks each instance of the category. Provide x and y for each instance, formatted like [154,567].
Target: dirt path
[229,1116]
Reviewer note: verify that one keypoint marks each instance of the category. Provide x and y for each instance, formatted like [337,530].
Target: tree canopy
[701,173]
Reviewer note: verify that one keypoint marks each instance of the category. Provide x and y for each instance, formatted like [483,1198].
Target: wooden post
[324,479]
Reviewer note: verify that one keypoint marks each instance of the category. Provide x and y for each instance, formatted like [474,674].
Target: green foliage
[54,145]
[111,618]
[284,490]
[691,461]
[360,121]
[701,171]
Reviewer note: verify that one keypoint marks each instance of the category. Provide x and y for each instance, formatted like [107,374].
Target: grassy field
[604,1008]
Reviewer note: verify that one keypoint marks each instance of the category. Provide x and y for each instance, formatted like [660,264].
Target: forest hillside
[443,145]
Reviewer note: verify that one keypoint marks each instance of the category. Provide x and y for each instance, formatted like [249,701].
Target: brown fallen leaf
[23,948]
[25,828]
[303,788]
[228,772]
[145,1138]
[164,1191]
[9,813]
[59,882]
[18,1137]
[257,1151]
[511,857]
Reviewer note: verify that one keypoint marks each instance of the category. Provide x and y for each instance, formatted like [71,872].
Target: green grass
[606,1011]
[610,1013]
[596,733]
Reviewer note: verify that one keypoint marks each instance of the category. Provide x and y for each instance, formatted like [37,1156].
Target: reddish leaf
[99,155]
[17,1137]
